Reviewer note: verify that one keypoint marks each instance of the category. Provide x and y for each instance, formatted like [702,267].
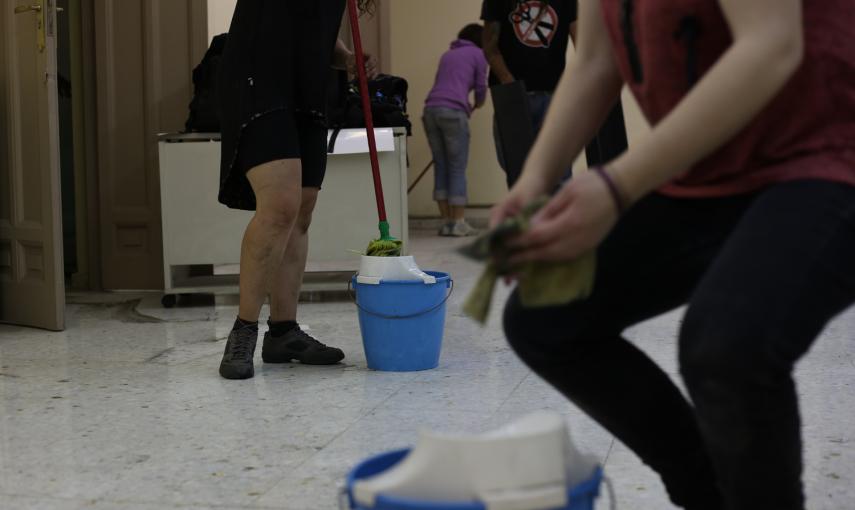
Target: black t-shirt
[534,52]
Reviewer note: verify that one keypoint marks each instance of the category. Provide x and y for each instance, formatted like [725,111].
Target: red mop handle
[366,107]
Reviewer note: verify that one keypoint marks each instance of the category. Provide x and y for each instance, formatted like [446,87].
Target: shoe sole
[237,377]
[280,361]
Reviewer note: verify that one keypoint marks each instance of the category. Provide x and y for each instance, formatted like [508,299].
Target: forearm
[481,93]
[735,90]
[585,95]
[492,32]
[341,54]
[498,66]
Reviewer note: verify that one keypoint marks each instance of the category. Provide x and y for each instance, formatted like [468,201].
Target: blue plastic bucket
[581,497]
[402,322]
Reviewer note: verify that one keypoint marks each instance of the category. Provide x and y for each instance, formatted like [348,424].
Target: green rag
[541,284]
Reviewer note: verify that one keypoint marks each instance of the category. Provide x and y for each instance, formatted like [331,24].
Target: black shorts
[281,134]
[272,90]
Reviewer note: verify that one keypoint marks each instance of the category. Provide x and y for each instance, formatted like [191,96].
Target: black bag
[388,104]
[204,109]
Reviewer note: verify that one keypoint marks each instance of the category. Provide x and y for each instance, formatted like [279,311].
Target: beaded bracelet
[620,204]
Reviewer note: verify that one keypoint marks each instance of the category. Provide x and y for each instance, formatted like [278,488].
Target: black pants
[762,274]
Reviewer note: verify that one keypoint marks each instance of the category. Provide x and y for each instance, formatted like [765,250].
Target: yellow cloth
[541,284]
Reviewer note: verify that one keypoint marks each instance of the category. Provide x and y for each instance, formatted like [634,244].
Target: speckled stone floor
[125,409]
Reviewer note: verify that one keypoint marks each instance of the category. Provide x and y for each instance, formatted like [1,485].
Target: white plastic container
[374,269]
[525,465]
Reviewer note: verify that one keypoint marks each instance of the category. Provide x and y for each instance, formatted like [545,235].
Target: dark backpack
[204,109]
[388,104]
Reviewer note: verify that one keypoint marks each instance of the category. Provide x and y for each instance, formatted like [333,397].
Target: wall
[413,36]
[419,32]
[219,16]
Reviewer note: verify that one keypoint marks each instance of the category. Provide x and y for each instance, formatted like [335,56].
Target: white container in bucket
[373,270]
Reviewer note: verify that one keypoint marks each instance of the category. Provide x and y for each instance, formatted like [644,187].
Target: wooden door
[32,291]
[145,54]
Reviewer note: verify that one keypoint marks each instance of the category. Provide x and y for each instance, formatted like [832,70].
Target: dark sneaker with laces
[240,349]
[300,346]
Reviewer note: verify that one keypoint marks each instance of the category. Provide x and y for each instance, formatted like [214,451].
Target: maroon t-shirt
[807,132]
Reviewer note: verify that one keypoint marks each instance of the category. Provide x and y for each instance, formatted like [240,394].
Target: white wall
[219,16]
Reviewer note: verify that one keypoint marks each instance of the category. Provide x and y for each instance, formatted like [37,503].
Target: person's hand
[524,192]
[372,66]
[506,78]
[573,223]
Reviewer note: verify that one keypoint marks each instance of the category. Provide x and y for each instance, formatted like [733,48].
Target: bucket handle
[398,317]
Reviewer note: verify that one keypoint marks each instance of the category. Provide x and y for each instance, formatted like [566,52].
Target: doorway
[65,93]
[74,130]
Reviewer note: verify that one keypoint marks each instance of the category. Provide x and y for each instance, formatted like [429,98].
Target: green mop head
[386,246]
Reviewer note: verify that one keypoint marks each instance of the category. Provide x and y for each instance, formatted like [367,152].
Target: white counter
[202,238]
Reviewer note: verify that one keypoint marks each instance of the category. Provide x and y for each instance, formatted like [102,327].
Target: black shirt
[534,53]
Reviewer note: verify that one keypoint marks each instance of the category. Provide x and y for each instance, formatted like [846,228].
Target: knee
[721,345]
[278,214]
[543,336]
[304,215]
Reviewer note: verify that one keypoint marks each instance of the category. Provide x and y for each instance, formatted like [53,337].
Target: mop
[386,245]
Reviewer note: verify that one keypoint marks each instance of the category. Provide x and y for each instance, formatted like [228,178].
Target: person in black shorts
[273,90]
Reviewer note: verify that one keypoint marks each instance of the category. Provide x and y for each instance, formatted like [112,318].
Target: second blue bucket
[402,322]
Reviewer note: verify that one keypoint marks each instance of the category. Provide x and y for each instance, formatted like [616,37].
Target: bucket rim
[440,276]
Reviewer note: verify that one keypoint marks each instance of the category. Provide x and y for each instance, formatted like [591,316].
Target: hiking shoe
[298,345]
[240,349]
[445,230]
[463,229]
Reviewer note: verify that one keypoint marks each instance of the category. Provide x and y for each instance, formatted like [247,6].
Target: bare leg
[457,212]
[288,276]
[293,343]
[277,186]
[444,210]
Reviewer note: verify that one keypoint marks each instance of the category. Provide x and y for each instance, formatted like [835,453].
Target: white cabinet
[201,237]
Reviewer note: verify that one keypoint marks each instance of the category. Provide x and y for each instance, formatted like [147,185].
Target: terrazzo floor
[125,409]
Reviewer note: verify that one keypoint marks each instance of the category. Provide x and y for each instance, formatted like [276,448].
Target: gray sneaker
[300,346]
[463,229]
[240,349]
[445,231]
